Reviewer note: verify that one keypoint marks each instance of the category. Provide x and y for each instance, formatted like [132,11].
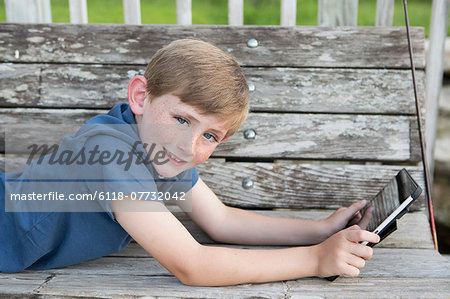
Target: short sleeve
[116,173]
[175,189]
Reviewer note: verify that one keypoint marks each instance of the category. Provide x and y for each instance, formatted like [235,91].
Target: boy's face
[179,130]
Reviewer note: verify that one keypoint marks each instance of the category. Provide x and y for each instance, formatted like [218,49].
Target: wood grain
[375,91]
[386,262]
[282,135]
[390,273]
[300,46]
[290,184]
[404,237]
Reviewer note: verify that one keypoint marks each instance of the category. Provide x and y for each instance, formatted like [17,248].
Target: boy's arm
[166,239]
[232,225]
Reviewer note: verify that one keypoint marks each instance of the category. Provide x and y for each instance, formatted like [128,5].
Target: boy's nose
[186,144]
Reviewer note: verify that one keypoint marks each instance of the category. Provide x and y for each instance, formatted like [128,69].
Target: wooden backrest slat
[286,184]
[360,47]
[278,135]
[367,91]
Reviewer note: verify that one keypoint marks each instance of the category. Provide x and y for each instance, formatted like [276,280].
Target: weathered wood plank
[163,287]
[382,47]
[288,184]
[295,185]
[402,238]
[283,135]
[371,288]
[20,85]
[395,263]
[390,271]
[133,286]
[376,91]
[323,136]
[22,285]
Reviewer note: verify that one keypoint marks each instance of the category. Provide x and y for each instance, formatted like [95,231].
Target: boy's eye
[210,137]
[181,120]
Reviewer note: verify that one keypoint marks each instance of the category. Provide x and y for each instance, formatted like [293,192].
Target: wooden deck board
[386,262]
[390,273]
[19,285]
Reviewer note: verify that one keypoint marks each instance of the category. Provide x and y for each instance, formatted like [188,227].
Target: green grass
[256,12]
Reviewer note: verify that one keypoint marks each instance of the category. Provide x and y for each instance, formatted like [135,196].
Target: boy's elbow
[188,280]
[188,277]
[187,272]
[193,279]
[192,273]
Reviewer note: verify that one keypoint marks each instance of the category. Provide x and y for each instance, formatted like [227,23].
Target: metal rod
[419,124]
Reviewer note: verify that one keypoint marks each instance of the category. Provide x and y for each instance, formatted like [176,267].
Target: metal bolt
[251,87]
[249,134]
[252,43]
[247,184]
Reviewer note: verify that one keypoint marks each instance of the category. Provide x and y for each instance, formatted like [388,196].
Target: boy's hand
[348,216]
[341,254]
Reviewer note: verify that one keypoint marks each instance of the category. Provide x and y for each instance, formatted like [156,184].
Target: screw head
[252,43]
[249,134]
[251,87]
[247,184]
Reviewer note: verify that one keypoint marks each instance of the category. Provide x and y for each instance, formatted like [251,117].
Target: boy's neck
[137,119]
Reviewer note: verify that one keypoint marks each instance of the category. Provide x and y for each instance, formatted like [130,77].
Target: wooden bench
[332,111]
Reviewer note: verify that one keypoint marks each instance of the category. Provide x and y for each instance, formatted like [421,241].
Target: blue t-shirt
[61,233]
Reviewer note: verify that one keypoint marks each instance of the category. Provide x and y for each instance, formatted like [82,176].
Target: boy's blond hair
[203,76]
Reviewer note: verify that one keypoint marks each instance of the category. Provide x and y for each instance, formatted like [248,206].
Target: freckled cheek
[168,135]
[201,156]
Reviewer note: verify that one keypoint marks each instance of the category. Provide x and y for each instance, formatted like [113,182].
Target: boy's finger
[355,208]
[354,227]
[357,261]
[355,220]
[362,236]
[366,218]
[361,251]
[350,270]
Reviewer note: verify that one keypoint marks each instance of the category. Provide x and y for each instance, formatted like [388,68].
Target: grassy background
[256,12]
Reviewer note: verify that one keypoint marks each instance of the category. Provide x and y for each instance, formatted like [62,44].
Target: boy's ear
[137,94]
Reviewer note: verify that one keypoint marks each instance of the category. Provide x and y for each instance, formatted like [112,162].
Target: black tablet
[390,204]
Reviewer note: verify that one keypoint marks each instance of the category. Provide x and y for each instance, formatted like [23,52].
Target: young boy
[192,97]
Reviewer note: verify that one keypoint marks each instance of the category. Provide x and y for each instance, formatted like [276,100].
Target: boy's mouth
[173,157]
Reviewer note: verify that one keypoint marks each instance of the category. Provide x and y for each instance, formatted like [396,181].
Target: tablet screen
[390,198]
